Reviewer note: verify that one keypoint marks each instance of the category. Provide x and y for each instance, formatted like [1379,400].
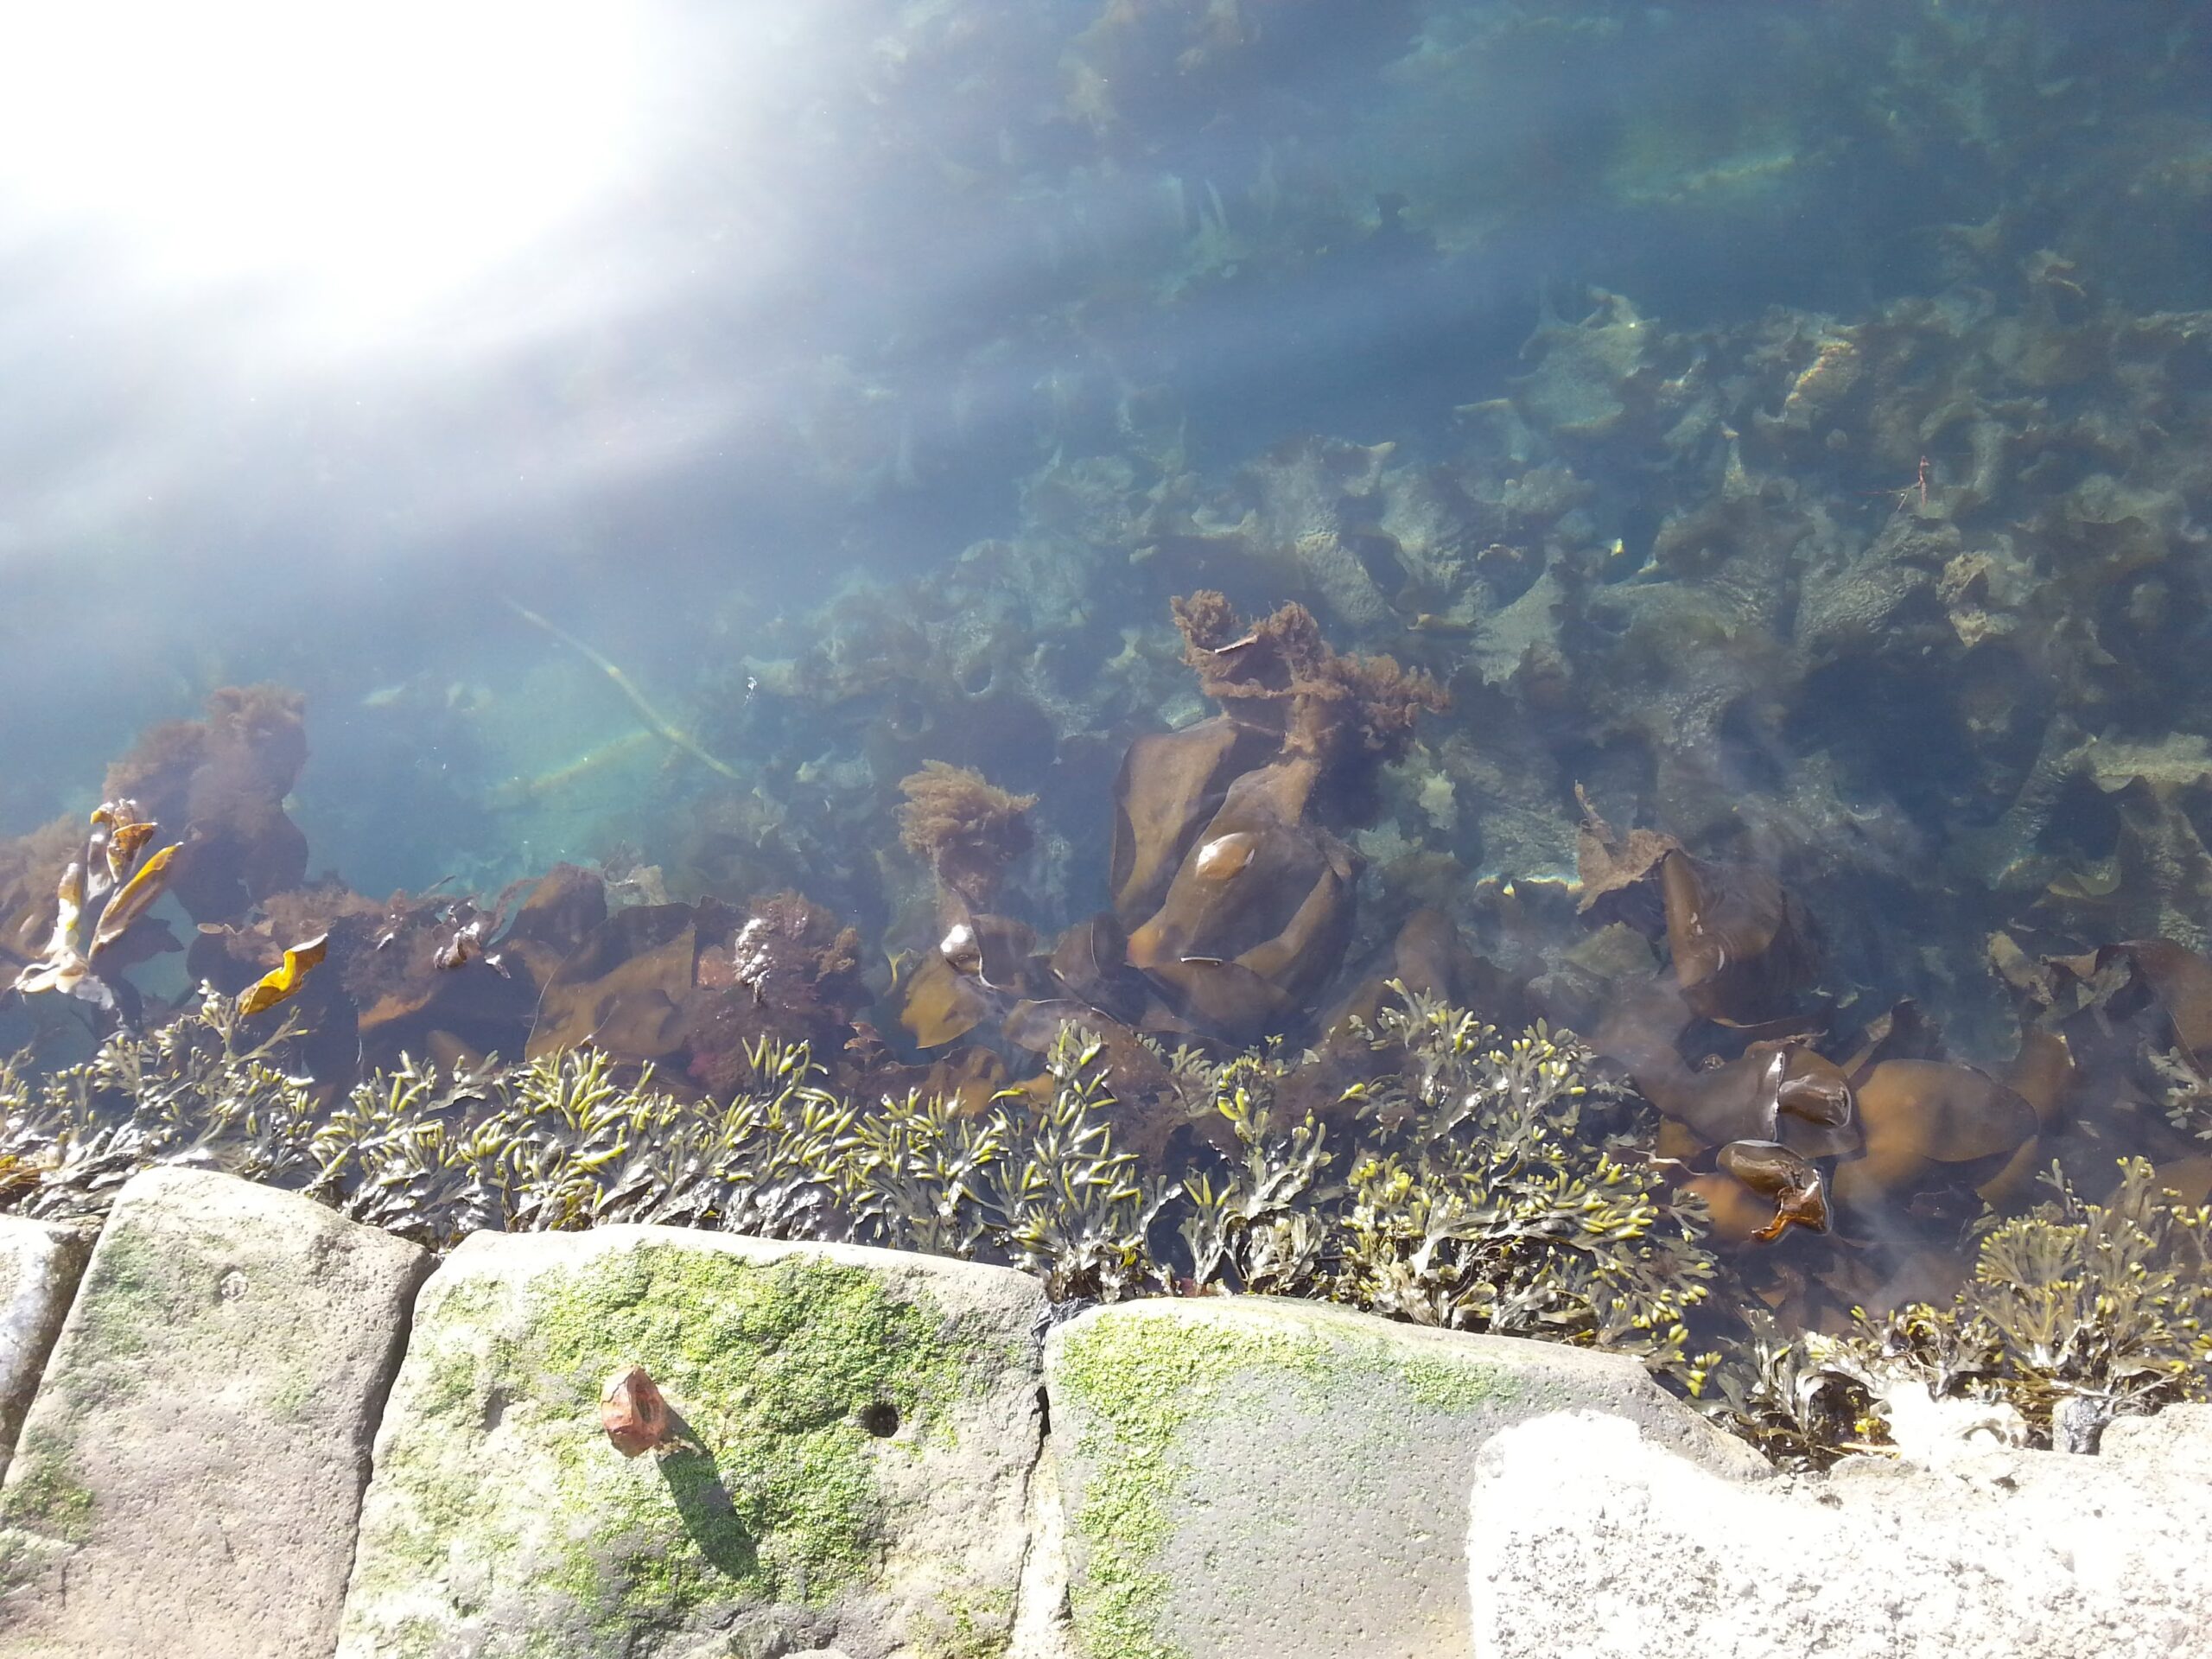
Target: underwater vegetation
[1233,1077]
[1195,887]
[1233,893]
[2075,1314]
[1474,1183]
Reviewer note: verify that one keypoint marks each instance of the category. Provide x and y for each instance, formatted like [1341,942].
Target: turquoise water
[646,444]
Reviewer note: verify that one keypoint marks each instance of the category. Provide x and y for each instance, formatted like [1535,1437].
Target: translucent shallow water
[1740,471]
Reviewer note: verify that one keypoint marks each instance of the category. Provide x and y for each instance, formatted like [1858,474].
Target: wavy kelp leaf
[136,897]
[1608,862]
[286,978]
[1916,1115]
[942,1004]
[623,989]
[1242,937]
[1742,946]
[1170,784]
[1791,1183]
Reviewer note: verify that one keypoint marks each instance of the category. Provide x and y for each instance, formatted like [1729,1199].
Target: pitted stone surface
[1586,1537]
[2176,1440]
[191,1468]
[859,1428]
[39,1264]
[1251,1477]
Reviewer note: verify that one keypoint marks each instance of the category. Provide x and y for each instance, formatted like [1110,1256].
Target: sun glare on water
[361,161]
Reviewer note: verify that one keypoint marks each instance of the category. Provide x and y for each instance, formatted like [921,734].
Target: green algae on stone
[1202,1437]
[967,1627]
[178,1472]
[1142,1379]
[46,1493]
[782,1498]
[125,1294]
[782,1374]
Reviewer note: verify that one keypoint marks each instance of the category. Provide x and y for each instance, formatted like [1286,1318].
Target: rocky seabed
[239,1425]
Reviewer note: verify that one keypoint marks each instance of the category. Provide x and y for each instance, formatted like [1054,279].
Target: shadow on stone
[708,1508]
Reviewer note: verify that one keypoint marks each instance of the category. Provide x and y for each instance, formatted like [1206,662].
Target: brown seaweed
[1280,677]
[1815,1112]
[63,967]
[1776,1173]
[1916,1115]
[132,899]
[1741,945]
[968,827]
[1607,863]
[1091,964]
[224,778]
[1428,957]
[1735,1102]
[1241,937]
[942,1004]
[623,986]
[1734,1211]
[789,973]
[282,980]
[1170,784]
[88,886]
[118,836]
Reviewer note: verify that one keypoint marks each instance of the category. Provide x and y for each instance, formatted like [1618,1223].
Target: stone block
[191,1467]
[1586,1537]
[2174,1440]
[39,1264]
[1262,1477]
[859,1431]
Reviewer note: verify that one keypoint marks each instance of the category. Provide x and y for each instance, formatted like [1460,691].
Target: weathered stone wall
[885,1456]
[40,1265]
[190,1469]
[861,1427]
[1262,1478]
[1586,1537]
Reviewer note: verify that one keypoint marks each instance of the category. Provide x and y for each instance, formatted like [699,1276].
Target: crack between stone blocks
[403,1337]
[1049,1639]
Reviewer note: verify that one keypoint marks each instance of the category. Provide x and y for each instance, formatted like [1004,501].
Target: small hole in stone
[231,1285]
[880,1419]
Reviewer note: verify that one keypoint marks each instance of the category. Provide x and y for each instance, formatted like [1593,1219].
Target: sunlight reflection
[364,159]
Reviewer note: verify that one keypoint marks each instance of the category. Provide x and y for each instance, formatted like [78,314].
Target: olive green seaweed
[1472,1180]
[2076,1314]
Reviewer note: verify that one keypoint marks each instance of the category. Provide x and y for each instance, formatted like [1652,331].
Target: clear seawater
[863,378]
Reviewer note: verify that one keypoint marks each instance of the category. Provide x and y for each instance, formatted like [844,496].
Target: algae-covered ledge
[831,1402]
[1243,1473]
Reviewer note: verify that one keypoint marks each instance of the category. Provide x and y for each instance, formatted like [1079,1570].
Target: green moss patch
[132,1287]
[46,1494]
[1139,1378]
[769,1368]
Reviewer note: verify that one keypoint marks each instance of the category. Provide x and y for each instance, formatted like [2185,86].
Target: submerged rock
[191,1468]
[1587,1537]
[1252,1477]
[851,1436]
